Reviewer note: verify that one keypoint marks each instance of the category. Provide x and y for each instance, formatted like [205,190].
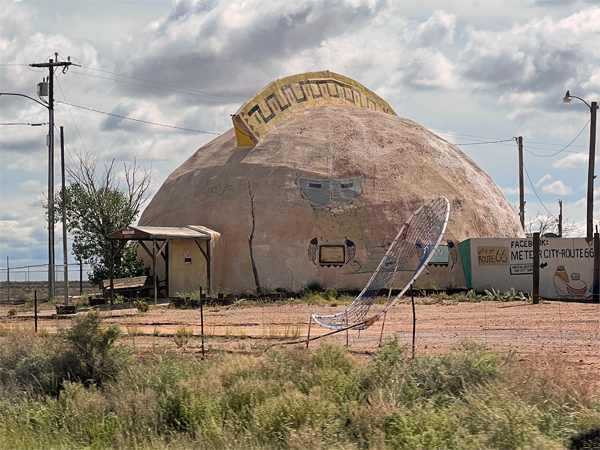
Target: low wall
[566,266]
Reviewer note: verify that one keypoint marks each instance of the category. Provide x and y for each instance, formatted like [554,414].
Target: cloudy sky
[471,70]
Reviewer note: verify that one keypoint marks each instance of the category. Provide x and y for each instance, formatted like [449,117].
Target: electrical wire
[565,147]
[535,192]
[488,142]
[510,187]
[25,123]
[72,118]
[468,136]
[180,90]
[138,120]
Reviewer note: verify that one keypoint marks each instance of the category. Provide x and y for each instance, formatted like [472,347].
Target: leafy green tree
[98,205]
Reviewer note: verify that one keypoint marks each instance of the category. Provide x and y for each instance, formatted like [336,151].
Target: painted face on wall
[331,193]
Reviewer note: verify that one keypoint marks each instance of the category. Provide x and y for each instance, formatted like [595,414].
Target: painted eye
[314,185]
[347,185]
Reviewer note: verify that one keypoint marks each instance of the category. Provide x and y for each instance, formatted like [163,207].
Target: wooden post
[596,266]
[80,277]
[382,325]
[308,335]
[202,319]
[536,268]
[412,298]
[35,308]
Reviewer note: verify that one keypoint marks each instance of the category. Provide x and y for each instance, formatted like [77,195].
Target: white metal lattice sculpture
[413,247]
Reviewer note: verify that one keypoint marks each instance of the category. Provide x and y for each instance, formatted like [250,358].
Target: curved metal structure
[413,247]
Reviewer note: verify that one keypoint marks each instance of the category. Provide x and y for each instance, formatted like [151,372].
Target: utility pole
[560,218]
[521,184]
[51,64]
[64,216]
[591,176]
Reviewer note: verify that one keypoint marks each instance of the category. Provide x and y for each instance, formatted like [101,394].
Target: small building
[180,258]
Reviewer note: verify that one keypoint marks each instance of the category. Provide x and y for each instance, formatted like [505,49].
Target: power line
[495,138]
[25,123]
[72,118]
[179,90]
[138,120]
[564,148]
[535,192]
[488,142]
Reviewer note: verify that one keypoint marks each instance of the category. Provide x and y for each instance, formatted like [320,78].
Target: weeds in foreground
[182,336]
[292,398]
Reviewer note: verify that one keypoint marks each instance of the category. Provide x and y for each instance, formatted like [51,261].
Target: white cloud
[515,191]
[438,28]
[31,186]
[558,188]
[545,178]
[572,161]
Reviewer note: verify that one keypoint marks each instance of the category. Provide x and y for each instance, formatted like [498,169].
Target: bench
[131,287]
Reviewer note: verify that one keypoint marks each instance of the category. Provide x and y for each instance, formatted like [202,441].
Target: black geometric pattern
[311,89]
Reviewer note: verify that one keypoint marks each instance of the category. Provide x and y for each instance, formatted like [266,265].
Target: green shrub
[331,294]
[142,306]
[288,398]
[182,336]
[12,312]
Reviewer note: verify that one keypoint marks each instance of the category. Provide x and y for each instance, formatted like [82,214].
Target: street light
[592,156]
[50,144]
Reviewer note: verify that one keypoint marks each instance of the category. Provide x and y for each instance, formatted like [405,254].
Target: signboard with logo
[566,265]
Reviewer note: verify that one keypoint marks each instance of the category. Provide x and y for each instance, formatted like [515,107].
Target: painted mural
[566,265]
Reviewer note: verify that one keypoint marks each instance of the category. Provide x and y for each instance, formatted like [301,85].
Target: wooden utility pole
[51,64]
[64,216]
[560,218]
[536,268]
[521,184]
[590,193]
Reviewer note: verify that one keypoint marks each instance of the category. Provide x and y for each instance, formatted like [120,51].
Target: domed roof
[326,176]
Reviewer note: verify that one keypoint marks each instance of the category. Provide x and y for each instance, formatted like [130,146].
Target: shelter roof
[148,233]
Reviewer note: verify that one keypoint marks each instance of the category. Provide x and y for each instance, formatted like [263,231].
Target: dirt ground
[570,331]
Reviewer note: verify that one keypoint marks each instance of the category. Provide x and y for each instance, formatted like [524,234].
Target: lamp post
[50,145]
[592,156]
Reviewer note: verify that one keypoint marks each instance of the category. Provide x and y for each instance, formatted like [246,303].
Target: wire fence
[18,283]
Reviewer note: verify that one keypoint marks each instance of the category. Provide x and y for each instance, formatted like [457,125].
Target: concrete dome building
[313,183]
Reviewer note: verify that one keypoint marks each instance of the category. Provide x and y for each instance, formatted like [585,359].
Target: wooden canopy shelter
[159,237]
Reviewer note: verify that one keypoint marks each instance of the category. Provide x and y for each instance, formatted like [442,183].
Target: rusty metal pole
[308,335]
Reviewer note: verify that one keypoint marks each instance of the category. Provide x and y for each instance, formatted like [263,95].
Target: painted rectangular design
[521,269]
[492,256]
[332,254]
[187,257]
[440,256]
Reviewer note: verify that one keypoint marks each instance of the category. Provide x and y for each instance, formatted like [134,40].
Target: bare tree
[100,204]
[547,224]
